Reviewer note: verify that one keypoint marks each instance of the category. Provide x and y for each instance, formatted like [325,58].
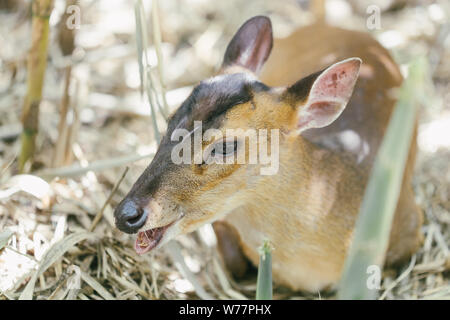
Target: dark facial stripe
[212,98]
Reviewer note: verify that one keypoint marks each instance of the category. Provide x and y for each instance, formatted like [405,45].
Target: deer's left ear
[321,97]
[251,45]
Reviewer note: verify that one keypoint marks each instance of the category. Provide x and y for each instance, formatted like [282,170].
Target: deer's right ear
[251,45]
[320,98]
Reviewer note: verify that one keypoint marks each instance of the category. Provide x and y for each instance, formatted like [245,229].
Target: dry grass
[115,129]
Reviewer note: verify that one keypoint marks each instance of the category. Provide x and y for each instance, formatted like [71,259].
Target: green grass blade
[264,281]
[380,199]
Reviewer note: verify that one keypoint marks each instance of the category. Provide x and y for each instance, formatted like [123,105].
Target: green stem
[36,65]
[373,226]
[264,281]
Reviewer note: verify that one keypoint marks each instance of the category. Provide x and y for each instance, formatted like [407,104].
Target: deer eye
[224,148]
[219,152]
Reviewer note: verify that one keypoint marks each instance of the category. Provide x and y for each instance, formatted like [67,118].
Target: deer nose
[130,217]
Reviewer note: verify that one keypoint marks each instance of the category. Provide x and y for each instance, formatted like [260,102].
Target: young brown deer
[325,152]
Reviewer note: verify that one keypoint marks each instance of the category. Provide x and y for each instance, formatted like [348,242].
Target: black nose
[129,217]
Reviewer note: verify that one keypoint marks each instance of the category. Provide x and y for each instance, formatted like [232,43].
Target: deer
[329,93]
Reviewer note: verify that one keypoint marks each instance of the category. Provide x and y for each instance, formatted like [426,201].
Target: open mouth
[147,240]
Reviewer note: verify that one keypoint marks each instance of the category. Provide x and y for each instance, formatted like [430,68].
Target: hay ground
[113,126]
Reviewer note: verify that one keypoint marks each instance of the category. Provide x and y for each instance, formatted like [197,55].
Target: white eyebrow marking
[247,76]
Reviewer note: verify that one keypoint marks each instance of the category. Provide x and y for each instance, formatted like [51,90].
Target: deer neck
[314,197]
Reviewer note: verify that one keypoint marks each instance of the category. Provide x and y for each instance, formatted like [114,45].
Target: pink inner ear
[329,95]
[336,82]
[318,114]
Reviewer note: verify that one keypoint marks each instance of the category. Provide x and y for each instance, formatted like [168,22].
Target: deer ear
[321,97]
[251,45]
